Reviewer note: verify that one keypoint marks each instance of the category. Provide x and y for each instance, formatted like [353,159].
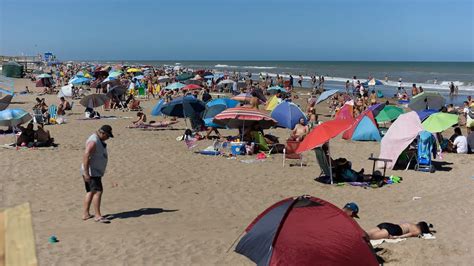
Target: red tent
[305,231]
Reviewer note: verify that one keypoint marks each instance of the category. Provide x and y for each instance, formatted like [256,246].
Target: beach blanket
[12,146]
[104,117]
[380,241]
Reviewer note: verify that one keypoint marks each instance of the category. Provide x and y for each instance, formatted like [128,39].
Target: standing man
[93,167]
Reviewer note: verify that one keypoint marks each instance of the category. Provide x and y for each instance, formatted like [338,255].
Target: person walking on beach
[300,81]
[93,167]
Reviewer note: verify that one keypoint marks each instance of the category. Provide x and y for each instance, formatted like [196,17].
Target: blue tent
[288,114]
[157,109]
[366,130]
[215,107]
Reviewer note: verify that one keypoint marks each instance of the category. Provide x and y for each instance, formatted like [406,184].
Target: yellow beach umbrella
[87,75]
[272,103]
[132,70]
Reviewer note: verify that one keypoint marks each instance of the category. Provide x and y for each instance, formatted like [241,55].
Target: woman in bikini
[402,230]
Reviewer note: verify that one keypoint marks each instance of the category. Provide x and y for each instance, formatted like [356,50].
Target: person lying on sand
[402,230]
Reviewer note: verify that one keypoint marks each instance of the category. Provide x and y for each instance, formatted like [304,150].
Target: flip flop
[88,217]
[102,220]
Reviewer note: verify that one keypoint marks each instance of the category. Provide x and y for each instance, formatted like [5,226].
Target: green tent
[12,70]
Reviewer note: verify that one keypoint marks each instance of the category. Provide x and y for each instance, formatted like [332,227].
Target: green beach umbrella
[184,76]
[389,113]
[439,122]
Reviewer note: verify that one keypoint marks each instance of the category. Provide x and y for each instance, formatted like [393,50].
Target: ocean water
[434,76]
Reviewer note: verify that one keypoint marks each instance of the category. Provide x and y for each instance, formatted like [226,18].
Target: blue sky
[403,30]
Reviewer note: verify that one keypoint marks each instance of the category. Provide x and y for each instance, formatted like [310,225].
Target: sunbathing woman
[141,120]
[402,230]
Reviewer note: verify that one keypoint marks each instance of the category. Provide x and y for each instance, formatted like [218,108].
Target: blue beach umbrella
[114,74]
[209,76]
[275,89]
[288,114]
[156,111]
[175,86]
[423,114]
[14,117]
[6,91]
[326,95]
[79,80]
[183,107]
[215,107]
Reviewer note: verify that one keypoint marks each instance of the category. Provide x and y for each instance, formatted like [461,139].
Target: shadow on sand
[137,213]
[441,166]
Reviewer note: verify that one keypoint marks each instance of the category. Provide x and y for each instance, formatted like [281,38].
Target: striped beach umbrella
[240,117]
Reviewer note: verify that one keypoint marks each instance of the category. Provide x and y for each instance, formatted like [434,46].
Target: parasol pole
[330,166]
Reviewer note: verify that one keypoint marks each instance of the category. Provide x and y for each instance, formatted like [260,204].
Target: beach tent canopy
[65,91]
[427,100]
[346,112]
[187,106]
[305,231]
[364,128]
[156,111]
[288,114]
[12,70]
[439,122]
[216,107]
[399,135]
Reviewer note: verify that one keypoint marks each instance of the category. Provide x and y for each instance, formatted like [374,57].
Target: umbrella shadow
[441,166]
[136,213]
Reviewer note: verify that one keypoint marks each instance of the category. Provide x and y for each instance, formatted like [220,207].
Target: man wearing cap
[95,161]
[351,209]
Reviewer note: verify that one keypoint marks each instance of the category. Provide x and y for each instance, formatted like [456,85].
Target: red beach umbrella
[192,87]
[241,116]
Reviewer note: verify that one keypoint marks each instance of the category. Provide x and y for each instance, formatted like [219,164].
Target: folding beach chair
[53,112]
[323,162]
[38,117]
[289,152]
[261,142]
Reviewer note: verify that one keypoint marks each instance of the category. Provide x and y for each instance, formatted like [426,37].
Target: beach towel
[380,241]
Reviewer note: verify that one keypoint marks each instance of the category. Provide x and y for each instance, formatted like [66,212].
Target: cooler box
[237,148]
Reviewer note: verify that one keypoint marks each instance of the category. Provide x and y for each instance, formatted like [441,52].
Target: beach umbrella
[114,74]
[326,95]
[192,87]
[243,97]
[65,91]
[372,82]
[156,111]
[5,101]
[184,76]
[109,78]
[164,78]
[193,81]
[133,70]
[101,73]
[14,117]
[183,107]
[288,114]
[305,231]
[427,100]
[225,81]
[276,89]
[376,108]
[79,80]
[118,90]
[423,114]
[6,91]
[175,86]
[42,76]
[139,77]
[37,72]
[94,100]
[389,113]
[439,122]
[215,107]
[209,76]
[239,117]
[324,133]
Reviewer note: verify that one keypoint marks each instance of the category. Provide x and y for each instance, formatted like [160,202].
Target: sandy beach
[175,207]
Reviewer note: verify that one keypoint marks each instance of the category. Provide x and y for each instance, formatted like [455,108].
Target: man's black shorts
[94,185]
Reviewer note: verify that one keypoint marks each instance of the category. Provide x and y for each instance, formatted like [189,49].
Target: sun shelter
[288,114]
[400,134]
[305,231]
[364,128]
[345,112]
